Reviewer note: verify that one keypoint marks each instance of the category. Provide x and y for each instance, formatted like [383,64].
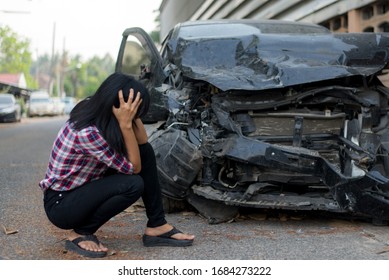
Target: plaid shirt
[81,156]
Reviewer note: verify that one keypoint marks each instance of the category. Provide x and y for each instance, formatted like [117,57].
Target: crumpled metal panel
[265,61]
[359,194]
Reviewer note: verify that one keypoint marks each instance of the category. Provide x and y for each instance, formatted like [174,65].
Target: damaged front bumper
[366,195]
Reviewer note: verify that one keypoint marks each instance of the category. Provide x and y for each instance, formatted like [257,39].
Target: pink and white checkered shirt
[81,156]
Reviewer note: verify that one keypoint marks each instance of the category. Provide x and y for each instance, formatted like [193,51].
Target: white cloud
[86,27]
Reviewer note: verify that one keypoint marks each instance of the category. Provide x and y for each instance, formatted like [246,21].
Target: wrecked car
[266,114]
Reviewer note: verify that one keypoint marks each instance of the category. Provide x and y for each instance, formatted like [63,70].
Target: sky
[85,27]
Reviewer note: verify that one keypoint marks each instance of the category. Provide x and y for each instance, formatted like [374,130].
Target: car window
[40,100]
[6,100]
[134,57]
[217,30]
[242,29]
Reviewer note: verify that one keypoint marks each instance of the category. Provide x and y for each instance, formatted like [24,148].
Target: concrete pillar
[354,19]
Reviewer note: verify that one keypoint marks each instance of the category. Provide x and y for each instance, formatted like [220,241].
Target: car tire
[171,205]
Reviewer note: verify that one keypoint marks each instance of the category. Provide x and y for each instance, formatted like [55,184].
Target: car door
[139,57]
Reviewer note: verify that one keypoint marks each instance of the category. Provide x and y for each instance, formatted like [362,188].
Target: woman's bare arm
[125,115]
[140,131]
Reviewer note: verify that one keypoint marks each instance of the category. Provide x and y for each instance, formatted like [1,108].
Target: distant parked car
[58,106]
[10,109]
[70,102]
[40,104]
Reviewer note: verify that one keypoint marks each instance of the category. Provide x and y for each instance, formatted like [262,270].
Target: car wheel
[379,222]
[171,205]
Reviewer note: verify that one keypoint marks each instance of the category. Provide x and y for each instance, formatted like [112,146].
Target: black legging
[86,208]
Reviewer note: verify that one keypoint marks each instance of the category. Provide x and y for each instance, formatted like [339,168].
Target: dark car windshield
[242,29]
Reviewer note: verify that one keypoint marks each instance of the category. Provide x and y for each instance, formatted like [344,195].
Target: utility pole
[52,63]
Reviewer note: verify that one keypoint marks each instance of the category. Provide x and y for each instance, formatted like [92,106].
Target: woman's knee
[147,155]
[134,184]
[146,150]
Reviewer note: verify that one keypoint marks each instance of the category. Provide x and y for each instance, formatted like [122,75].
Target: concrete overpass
[338,15]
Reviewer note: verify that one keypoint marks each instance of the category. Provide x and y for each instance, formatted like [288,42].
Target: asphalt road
[26,234]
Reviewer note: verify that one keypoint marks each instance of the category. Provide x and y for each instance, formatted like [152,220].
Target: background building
[337,15]
[17,80]
[15,84]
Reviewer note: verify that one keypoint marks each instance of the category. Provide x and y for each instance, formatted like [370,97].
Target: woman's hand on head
[126,112]
[125,115]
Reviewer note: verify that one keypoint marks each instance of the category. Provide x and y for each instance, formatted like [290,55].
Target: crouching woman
[100,164]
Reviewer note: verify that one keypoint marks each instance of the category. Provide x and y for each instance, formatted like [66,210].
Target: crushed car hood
[265,61]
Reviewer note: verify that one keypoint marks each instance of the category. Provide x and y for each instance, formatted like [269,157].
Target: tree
[86,77]
[15,54]
[96,71]
[156,33]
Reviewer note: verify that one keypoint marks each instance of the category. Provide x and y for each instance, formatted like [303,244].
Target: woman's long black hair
[97,109]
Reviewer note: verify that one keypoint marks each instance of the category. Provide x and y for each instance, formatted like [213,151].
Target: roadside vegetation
[57,72]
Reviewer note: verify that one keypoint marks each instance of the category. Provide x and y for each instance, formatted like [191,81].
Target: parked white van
[40,104]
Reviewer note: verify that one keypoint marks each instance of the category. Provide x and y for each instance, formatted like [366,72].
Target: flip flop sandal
[165,239]
[73,246]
